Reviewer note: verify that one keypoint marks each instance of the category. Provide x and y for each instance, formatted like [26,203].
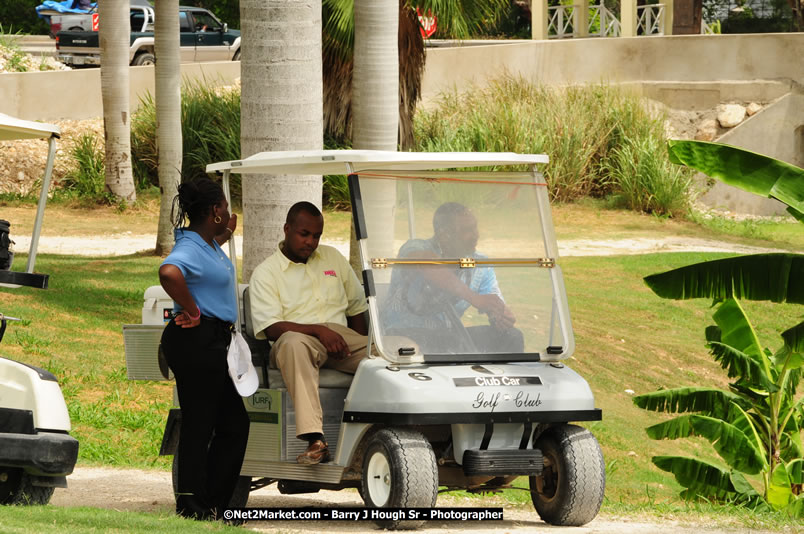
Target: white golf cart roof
[349,161]
[12,128]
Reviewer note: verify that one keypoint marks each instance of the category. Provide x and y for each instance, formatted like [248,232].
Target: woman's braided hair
[195,201]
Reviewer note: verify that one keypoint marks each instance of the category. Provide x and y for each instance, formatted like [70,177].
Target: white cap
[242,371]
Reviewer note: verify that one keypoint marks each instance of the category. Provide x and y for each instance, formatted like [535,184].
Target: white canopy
[344,161]
[13,128]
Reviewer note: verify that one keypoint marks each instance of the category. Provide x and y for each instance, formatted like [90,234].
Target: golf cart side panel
[438,394]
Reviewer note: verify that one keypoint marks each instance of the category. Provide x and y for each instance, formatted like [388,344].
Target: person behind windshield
[307,300]
[427,303]
[200,279]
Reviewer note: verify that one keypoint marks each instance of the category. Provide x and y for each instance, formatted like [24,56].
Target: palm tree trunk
[281,109]
[168,115]
[375,108]
[113,34]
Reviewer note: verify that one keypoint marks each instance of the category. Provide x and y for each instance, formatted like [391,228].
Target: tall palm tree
[168,115]
[456,18]
[375,101]
[281,109]
[114,30]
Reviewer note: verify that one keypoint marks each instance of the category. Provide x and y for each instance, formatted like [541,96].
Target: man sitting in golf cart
[307,300]
[428,304]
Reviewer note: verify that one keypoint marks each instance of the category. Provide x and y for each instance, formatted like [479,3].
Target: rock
[632,454]
[707,130]
[753,108]
[730,115]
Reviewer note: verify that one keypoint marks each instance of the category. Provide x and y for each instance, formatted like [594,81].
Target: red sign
[94,22]
[427,23]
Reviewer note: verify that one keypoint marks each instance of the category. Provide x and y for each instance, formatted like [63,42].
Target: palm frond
[737,331]
[742,168]
[738,450]
[794,338]
[773,277]
[709,401]
[739,364]
[704,479]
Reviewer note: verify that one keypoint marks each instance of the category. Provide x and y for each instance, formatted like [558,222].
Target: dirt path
[121,244]
[151,491]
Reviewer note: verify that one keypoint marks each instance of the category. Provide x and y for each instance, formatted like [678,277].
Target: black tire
[236,56]
[239,497]
[16,488]
[571,488]
[399,471]
[144,58]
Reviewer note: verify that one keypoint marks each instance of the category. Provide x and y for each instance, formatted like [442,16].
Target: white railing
[561,22]
[602,22]
[650,19]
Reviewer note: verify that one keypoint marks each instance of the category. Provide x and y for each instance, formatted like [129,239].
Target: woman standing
[200,279]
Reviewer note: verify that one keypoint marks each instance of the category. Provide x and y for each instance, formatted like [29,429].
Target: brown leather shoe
[317,452]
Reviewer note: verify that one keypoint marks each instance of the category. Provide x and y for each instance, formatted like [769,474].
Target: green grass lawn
[626,339]
[80,520]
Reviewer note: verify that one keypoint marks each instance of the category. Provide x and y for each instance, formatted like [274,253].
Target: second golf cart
[454,397]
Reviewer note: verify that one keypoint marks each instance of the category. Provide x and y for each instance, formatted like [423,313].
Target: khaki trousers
[299,357]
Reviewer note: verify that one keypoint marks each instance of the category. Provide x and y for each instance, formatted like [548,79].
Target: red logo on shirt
[330,273]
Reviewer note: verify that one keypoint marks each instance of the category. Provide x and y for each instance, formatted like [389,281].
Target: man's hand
[500,316]
[488,304]
[503,321]
[334,343]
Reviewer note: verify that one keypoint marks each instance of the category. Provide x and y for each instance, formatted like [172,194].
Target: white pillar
[581,18]
[538,19]
[668,16]
[628,18]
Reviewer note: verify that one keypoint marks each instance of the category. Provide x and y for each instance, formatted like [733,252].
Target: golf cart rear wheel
[16,488]
[399,471]
[570,490]
[239,497]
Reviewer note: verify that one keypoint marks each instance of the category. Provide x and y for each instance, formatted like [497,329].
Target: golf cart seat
[261,348]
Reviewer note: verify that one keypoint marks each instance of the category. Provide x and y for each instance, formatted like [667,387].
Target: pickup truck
[202,38]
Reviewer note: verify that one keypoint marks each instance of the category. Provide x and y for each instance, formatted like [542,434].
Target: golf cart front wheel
[399,471]
[16,487]
[570,490]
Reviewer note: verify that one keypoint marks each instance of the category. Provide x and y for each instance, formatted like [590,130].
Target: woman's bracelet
[230,230]
[196,316]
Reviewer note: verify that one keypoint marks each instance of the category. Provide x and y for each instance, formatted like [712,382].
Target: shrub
[87,180]
[591,134]
[210,120]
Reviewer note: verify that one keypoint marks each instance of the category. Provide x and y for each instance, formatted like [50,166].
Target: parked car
[203,38]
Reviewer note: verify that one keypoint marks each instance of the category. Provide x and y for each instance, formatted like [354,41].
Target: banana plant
[756,425]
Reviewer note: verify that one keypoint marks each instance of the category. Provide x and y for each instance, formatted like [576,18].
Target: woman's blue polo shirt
[208,273]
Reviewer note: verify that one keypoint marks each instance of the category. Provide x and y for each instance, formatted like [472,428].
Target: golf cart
[434,407]
[36,451]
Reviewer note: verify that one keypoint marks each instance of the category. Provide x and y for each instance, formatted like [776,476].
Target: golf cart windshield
[464,267]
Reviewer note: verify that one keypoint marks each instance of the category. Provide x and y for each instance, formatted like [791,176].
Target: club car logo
[486,381]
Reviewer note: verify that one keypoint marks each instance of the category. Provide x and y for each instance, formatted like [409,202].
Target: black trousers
[214,423]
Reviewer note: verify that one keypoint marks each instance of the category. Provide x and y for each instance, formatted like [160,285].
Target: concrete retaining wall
[682,58]
[681,71]
[76,94]
[776,131]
